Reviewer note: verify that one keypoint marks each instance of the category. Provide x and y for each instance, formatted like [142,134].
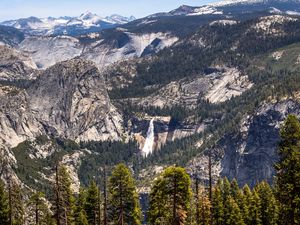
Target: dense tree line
[175,198]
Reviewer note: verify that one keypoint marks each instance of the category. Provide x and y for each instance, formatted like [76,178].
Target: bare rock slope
[68,100]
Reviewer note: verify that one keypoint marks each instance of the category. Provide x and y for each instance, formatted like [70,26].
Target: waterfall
[148,147]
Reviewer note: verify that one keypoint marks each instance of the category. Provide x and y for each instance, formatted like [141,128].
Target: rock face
[71,101]
[46,51]
[250,154]
[15,65]
[217,86]
[120,45]
[16,121]
[68,100]
[10,36]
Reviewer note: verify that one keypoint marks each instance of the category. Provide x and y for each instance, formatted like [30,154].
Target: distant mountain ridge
[229,7]
[85,23]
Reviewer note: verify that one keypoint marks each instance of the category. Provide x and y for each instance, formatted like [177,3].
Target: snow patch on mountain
[118,19]
[223,22]
[275,10]
[234,2]
[292,13]
[50,25]
[205,10]
[266,24]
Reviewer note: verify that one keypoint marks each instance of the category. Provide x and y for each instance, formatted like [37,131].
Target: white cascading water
[148,147]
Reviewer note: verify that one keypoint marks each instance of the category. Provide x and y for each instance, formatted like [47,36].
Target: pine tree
[64,202]
[255,209]
[241,200]
[234,189]
[81,219]
[123,197]
[269,204]
[92,203]
[226,189]
[38,208]
[205,208]
[248,199]
[232,213]
[80,214]
[217,206]
[173,190]
[4,205]
[288,172]
[253,205]
[105,222]
[159,212]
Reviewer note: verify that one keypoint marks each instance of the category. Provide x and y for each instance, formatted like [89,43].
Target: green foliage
[81,218]
[232,205]
[170,197]
[4,207]
[64,203]
[218,208]
[124,207]
[269,204]
[288,172]
[80,213]
[105,153]
[29,169]
[233,213]
[92,203]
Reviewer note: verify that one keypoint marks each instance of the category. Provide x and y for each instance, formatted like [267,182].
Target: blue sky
[12,9]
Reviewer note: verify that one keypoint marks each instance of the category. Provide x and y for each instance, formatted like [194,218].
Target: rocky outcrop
[218,85]
[10,36]
[120,45]
[250,154]
[46,51]
[15,65]
[16,121]
[68,100]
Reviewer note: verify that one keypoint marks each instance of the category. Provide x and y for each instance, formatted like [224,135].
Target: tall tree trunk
[210,176]
[99,208]
[66,217]
[122,205]
[210,181]
[57,197]
[10,202]
[175,201]
[36,213]
[197,202]
[105,198]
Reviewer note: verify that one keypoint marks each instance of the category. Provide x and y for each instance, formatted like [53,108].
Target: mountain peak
[118,19]
[87,16]
[182,10]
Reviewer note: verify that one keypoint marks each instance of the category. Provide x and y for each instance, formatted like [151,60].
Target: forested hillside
[175,197]
[184,117]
